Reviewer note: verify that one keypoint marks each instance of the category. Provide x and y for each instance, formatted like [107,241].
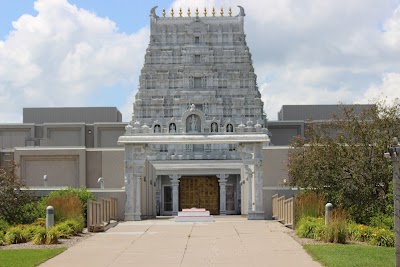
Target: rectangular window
[197,82]
[196,40]
[196,58]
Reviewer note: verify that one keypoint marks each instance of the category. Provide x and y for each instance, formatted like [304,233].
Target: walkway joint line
[187,242]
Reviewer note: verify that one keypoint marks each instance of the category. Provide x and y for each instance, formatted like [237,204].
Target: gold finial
[213,12]
[230,12]
[221,12]
[205,12]
[163,12]
[188,12]
[180,12]
[197,12]
[172,12]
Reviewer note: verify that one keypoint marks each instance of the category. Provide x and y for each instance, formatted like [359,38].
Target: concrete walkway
[229,241]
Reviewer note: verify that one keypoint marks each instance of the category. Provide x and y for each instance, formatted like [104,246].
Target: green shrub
[2,243]
[52,236]
[382,221]
[65,207]
[382,237]
[15,235]
[40,222]
[309,204]
[63,230]
[306,227]
[40,237]
[336,230]
[82,193]
[31,212]
[3,226]
[29,231]
[359,232]
[76,225]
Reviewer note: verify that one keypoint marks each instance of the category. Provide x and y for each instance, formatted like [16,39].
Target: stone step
[194,213]
[194,219]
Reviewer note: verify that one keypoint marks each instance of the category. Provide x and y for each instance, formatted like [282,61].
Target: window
[196,58]
[197,40]
[197,82]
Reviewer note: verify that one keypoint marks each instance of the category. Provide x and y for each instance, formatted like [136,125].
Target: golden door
[199,192]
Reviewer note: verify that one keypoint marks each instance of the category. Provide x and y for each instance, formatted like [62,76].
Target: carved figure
[193,123]
[214,127]
[172,127]
[230,128]
[157,129]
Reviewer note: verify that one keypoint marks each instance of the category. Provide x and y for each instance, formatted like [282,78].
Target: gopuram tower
[197,85]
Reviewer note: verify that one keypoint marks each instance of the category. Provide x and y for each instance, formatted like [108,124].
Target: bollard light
[49,217]
[45,180]
[328,212]
[101,182]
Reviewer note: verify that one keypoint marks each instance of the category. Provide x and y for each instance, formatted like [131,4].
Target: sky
[57,53]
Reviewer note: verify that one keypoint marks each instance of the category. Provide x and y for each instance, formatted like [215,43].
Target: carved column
[249,181]
[175,193]
[258,182]
[135,156]
[222,193]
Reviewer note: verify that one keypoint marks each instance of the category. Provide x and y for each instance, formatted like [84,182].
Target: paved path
[229,241]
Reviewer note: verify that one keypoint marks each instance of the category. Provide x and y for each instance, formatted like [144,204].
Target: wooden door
[199,192]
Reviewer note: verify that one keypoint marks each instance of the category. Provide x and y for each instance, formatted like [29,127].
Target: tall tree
[12,198]
[343,158]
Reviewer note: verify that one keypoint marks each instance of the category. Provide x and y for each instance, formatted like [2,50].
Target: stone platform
[194,215]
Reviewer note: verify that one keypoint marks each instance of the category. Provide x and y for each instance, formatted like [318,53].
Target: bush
[3,226]
[359,232]
[309,204]
[29,231]
[336,231]
[40,222]
[307,226]
[15,235]
[75,225]
[383,221]
[82,193]
[31,212]
[2,238]
[382,237]
[63,230]
[12,199]
[40,237]
[52,236]
[65,207]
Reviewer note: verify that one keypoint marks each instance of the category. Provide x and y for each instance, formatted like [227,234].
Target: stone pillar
[222,193]
[134,162]
[258,183]
[175,193]
[137,214]
[249,181]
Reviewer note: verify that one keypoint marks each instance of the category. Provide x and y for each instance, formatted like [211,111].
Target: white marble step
[194,219]
[194,213]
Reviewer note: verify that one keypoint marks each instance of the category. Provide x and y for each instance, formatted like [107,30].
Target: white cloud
[63,56]
[388,88]
[314,52]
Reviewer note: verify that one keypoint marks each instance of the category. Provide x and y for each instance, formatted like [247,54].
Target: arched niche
[172,127]
[214,127]
[199,115]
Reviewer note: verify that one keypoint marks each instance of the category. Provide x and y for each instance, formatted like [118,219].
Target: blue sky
[89,53]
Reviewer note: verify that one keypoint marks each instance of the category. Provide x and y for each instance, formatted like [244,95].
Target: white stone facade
[198,100]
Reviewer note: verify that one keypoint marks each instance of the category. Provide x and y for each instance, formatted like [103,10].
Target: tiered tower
[197,77]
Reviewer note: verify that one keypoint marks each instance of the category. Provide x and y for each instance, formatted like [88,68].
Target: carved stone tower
[197,63]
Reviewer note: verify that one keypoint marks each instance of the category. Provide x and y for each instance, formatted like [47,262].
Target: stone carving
[214,127]
[193,123]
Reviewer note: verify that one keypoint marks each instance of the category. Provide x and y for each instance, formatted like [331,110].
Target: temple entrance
[199,192]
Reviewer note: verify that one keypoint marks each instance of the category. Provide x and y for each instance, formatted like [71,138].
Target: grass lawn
[337,255]
[27,257]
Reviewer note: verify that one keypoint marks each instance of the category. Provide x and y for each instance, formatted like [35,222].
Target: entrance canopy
[138,149]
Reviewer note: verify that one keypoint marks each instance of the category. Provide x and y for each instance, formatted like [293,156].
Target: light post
[393,155]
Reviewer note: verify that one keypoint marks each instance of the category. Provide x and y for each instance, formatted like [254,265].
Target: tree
[12,198]
[343,158]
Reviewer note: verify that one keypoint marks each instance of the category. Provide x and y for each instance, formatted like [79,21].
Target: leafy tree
[12,198]
[343,158]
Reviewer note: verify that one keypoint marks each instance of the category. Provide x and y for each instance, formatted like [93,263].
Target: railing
[100,213]
[283,210]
